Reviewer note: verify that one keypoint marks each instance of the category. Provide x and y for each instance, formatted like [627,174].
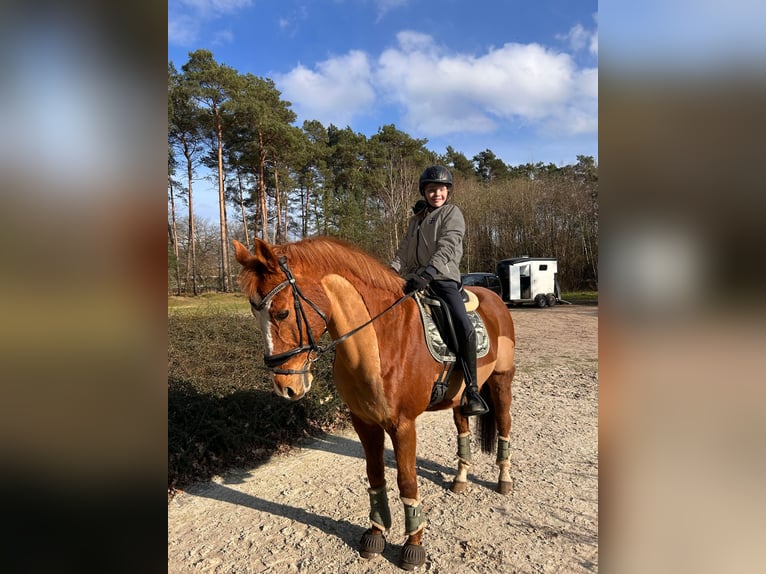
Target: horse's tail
[486,427]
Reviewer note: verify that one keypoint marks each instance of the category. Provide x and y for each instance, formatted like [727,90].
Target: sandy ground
[305,511]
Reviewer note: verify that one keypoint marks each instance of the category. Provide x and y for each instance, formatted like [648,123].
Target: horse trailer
[529,280]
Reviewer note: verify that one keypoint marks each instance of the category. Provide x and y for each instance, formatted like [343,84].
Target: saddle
[440,333]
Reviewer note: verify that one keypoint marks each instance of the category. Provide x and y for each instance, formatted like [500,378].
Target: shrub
[222,413]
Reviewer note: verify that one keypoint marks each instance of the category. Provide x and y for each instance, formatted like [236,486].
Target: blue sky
[517,77]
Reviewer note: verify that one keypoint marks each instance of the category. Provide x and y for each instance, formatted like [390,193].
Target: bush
[222,413]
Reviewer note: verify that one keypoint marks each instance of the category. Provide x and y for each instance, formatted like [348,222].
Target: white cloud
[215,6]
[579,114]
[445,93]
[580,38]
[588,83]
[410,41]
[334,92]
[185,18]
[385,6]
[182,30]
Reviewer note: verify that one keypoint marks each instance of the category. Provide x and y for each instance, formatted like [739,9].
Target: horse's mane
[343,258]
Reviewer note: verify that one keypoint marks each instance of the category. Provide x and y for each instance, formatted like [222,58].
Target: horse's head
[288,311]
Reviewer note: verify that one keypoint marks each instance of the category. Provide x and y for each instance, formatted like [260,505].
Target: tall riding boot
[471,403]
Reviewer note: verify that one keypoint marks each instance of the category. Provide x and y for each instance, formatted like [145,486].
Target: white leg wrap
[462,471]
[505,471]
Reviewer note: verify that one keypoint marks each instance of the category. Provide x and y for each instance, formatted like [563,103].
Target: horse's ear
[262,260]
[241,253]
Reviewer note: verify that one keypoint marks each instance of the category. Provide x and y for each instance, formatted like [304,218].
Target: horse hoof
[413,557]
[371,544]
[504,487]
[459,486]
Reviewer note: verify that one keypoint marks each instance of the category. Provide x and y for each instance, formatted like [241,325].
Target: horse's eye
[282,315]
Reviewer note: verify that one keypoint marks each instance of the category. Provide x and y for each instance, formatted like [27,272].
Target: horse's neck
[348,309]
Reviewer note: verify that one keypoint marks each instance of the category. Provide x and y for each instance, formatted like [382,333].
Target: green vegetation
[222,413]
[210,304]
[581,297]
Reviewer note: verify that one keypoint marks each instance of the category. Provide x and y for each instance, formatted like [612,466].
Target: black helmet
[436,174]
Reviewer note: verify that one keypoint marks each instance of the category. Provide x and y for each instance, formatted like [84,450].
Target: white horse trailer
[529,280]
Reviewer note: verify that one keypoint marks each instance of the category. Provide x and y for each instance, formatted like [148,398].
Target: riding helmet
[435,174]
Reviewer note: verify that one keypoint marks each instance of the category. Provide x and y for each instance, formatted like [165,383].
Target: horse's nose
[290,387]
[289,391]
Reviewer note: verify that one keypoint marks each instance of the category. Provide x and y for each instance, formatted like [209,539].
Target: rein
[312,349]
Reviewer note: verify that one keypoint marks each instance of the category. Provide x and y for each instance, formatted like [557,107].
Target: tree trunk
[242,209]
[191,251]
[280,234]
[172,231]
[225,275]
[262,188]
[305,212]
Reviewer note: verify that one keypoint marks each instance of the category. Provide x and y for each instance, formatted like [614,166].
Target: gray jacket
[436,240]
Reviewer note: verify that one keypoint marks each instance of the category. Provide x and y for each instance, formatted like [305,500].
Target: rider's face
[436,194]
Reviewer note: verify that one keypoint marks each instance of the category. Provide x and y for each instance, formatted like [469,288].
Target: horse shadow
[344,530]
[348,532]
[345,446]
[430,470]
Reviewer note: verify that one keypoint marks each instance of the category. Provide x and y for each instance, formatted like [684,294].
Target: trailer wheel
[551,298]
[541,301]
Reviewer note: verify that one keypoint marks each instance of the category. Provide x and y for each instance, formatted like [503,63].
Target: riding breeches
[449,291]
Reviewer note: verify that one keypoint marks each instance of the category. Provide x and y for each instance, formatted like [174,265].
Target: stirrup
[472,404]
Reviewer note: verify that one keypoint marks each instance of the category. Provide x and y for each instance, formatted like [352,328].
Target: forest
[281,182]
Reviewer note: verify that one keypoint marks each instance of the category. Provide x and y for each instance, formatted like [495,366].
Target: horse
[382,369]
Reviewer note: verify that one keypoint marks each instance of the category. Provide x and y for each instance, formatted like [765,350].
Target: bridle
[312,348]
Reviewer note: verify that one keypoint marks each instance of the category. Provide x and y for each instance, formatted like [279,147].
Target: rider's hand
[418,282]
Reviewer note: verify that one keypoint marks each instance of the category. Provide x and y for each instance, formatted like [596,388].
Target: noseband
[312,349]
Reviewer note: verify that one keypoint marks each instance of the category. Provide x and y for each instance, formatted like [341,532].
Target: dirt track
[305,511]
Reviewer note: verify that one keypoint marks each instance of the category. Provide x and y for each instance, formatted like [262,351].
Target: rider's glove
[419,282]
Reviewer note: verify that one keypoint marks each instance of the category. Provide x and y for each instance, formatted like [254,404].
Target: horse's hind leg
[504,481]
[460,482]
[372,438]
[500,388]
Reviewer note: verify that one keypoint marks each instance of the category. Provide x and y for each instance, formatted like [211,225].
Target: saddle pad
[473,301]
[434,341]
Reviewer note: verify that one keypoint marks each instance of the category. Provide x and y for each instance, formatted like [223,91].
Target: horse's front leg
[372,438]
[404,439]
[460,482]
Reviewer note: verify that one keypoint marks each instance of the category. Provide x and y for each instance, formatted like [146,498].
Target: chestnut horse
[382,370]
